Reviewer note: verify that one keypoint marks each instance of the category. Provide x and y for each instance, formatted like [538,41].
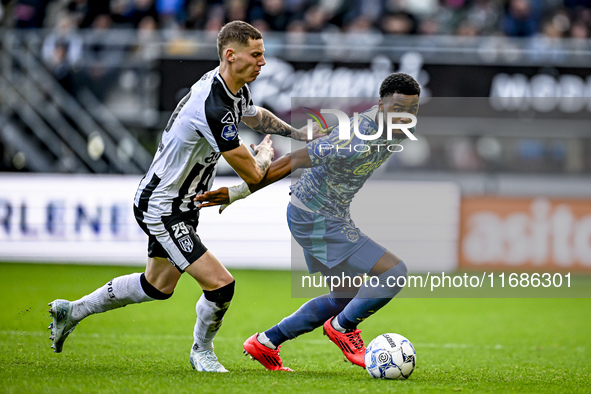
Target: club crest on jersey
[229,118]
[352,234]
[229,132]
[186,243]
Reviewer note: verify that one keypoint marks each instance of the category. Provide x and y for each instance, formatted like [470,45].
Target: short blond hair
[236,32]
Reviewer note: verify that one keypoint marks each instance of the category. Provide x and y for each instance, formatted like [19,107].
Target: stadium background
[86,87]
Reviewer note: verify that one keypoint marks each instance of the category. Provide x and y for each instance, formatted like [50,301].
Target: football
[390,356]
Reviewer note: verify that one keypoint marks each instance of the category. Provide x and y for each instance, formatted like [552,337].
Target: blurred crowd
[96,61]
[514,18]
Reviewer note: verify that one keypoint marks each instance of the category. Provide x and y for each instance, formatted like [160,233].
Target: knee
[221,295]
[401,269]
[391,282]
[226,279]
[218,282]
[341,303]
[163,293]
[161,283]
[388,261]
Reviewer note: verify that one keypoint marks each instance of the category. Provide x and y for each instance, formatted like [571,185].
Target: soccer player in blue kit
[319,220]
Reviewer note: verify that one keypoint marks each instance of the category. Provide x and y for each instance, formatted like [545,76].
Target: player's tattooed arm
[271,124]
[268,123]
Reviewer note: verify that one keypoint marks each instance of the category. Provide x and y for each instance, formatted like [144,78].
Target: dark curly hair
[236,31]
[399,83]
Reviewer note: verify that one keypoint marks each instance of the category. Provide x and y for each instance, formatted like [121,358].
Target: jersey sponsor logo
[229,132]
[229,118]
[186,243]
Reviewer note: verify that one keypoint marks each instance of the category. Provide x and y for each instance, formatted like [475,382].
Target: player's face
[249,60]
[399,103]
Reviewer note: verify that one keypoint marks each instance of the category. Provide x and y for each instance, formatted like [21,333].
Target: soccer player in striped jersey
[319,220]
[203,127]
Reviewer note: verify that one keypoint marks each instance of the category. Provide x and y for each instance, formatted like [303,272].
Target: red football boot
[350,343]
[264,355]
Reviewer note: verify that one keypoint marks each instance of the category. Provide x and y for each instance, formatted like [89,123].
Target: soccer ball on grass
[390,356]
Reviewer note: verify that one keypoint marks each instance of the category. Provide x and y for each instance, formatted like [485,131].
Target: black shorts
[172,237]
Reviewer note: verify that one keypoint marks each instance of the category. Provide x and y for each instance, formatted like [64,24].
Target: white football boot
[206,361]
[62,325]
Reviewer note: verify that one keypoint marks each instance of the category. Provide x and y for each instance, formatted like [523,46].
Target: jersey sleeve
[221,130]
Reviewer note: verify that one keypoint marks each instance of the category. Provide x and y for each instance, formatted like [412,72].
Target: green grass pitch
[470,345]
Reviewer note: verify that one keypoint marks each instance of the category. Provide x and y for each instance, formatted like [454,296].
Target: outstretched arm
[282,167]
[268,123]
[279,169]
[251,168]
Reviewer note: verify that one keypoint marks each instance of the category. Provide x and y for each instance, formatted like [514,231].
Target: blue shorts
[332,245]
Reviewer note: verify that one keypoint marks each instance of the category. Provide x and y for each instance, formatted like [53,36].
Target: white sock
[262,338]
[209,320]
[121,291]
[335,324]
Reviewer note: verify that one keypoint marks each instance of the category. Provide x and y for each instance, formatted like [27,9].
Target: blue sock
[310,316]
[371,298]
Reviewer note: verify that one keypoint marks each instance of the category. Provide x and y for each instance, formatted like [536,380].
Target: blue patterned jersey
[341,167]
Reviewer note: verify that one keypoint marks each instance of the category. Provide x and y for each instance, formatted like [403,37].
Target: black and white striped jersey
[204,124]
